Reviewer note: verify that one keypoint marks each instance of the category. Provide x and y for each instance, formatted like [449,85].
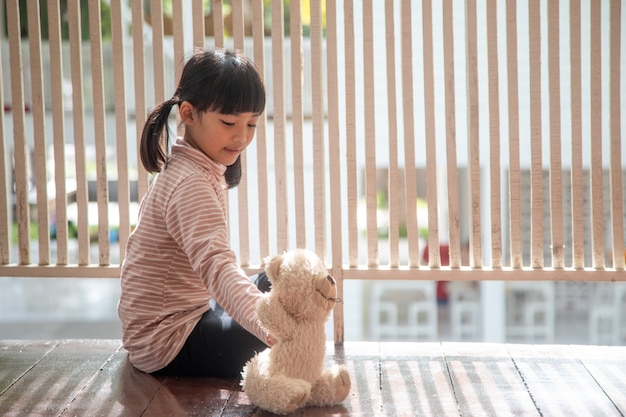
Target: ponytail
[154,153]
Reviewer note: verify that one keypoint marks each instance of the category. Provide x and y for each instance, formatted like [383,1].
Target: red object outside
[442,286]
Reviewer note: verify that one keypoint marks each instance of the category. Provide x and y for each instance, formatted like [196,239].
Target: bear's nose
[330,279]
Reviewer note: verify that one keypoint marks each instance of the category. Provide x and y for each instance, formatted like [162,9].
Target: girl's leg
[262,282]
[218,346]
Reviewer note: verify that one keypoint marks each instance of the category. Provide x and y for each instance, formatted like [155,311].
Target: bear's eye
[330,279]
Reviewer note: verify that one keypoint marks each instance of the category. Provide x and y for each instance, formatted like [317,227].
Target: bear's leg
[332,387]
[277,393]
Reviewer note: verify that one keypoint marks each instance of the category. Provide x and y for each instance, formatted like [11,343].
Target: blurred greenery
[105,18]
[34,231]
[305,11]
[267,11]
[72,232]
[34,235]
[382,202]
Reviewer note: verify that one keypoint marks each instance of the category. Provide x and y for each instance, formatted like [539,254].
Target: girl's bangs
[241,94]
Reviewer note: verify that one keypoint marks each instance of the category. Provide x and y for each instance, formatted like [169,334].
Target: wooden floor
[94,378]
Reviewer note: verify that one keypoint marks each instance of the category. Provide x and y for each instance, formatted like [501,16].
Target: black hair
[223,81]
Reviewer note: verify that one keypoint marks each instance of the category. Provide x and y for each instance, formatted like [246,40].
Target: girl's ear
[187,112]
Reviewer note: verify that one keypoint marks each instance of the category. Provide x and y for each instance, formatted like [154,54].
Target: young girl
[186,307]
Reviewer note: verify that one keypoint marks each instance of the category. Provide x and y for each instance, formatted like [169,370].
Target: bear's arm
[274,319]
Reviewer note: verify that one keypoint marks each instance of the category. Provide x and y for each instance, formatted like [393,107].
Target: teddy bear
[291,374]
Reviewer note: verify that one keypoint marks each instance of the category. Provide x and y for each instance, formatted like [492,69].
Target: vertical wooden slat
[473,140]
[334,149]
[278,82]
[139,91]
[258,34]
[297,117]
[534,24]
[334,163]
[58,116]
[198,23]
[238,24]
[494,134]
[123,190]
[158,59]
[515,210]
[617,207]
[22,210]
[5,187]
[578,243]
[351,170]
[178,27]
[218,24]
[95,34]
[556,182]
[158,54]
[78,106]
[39,132]
[226,193]
[434,259]
[242,188]
[410,180]
[597,210]
[319,153]
[392,114]
[453,193]
[369,99]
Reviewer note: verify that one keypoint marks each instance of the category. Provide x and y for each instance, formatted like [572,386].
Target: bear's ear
[272,265]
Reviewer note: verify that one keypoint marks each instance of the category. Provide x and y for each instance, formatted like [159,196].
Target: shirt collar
[180,147]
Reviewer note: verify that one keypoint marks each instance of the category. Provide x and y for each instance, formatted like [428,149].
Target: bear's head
[302,285]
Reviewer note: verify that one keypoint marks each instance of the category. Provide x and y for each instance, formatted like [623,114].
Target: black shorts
[218,346]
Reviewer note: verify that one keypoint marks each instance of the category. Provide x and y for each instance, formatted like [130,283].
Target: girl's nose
[241,135]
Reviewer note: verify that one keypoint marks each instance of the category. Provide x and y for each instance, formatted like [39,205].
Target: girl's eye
[228,123]
[252,125]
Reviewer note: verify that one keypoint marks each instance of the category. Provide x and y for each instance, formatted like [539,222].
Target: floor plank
[363,363]
[118,389]
[17,357]
[559,382]
[192,397]
[607,366]
[56,379]
[486,381]
[415,381]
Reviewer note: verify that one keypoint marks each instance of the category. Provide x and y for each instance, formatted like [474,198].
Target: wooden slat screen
[371,106]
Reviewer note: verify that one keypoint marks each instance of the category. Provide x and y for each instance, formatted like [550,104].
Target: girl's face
[222,137]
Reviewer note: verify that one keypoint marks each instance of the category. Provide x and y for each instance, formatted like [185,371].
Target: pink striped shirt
[177,258]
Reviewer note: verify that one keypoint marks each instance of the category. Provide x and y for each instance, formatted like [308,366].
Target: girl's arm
[196,220]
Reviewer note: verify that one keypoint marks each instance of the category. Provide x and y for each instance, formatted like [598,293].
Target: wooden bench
[94,378]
